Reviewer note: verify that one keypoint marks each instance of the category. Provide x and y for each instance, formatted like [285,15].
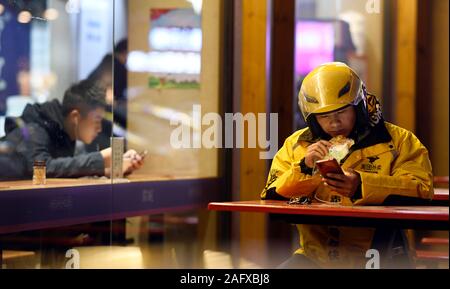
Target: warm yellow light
[24,17]
[2,9]
[51,14]
[196,5]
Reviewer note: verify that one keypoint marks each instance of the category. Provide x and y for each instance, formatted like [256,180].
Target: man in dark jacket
[12,165]
[49,132]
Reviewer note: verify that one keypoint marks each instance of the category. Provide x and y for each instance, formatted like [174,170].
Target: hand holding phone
[329,167]
[345,184]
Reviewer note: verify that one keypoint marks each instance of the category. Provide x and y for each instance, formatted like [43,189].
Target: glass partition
[55,187]
[172,74]
[167,78]
[104,160]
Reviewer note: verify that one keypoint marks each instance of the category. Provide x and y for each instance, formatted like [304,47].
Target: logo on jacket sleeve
[373,159]
[371,167]
[273,176]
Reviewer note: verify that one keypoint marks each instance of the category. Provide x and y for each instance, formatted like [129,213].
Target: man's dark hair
[121,46]
[84,96]
[102,74]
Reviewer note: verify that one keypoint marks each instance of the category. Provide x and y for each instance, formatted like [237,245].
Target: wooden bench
[434,241]
[18,259]
[432,254]
[440,181]
[10,255]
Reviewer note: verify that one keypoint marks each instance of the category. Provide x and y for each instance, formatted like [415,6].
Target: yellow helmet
[329,87]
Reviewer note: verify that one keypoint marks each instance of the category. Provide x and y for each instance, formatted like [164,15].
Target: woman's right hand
[316,151]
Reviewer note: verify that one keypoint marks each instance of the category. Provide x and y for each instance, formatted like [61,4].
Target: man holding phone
[49,131]
[384,160]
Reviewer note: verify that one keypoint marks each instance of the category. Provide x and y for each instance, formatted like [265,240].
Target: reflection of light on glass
[177,39]
[51,14]
[164,62]
[24,17]
[196,5]
[2,9]
[161,112]
[73,7]
[2,81]
[2,26]
[42,82]
[2,62]
[165,113]
[314,45]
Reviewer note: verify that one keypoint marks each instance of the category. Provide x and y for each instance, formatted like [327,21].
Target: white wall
[62,51]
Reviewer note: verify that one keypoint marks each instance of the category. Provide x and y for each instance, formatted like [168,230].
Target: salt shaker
[39,173]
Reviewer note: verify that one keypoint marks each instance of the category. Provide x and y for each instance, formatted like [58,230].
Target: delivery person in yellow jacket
[384,160]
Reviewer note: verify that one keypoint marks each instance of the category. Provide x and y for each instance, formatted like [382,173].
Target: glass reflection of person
[120,83]
[117,103]
[103,74]
[49,131]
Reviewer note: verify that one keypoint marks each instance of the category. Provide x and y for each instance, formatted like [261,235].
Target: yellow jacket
[399,166]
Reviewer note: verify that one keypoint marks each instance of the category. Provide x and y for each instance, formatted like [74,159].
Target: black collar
[369,137]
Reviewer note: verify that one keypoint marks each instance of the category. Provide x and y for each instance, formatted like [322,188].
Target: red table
[429,217]
[440,194]
[388,221]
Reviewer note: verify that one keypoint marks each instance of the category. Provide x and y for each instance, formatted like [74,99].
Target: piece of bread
[340,147]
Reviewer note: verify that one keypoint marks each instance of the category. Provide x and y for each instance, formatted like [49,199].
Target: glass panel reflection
[50,112]
[345,31]
[170,44]
[79,73]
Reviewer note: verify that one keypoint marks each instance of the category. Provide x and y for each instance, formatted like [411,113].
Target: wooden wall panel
[253,100]
[406,64]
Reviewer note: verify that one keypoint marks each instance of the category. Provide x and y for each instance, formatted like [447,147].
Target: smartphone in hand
[329,167]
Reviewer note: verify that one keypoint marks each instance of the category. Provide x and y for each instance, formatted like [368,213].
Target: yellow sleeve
[411,175]
[286,179]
